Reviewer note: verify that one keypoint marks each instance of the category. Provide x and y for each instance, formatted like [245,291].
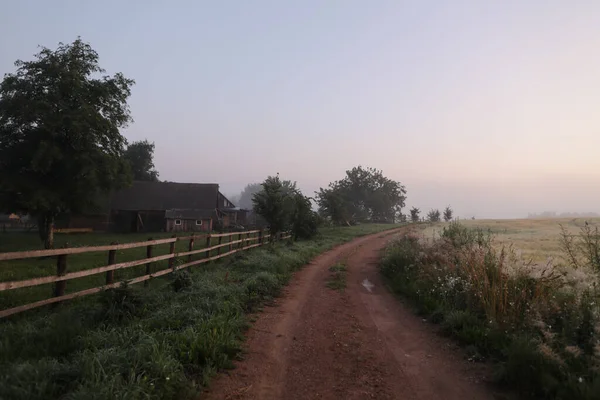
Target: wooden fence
[237,241]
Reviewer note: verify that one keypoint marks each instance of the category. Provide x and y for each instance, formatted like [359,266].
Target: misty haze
[299,200]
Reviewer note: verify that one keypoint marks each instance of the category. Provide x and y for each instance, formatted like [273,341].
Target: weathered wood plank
[196,237]
[216,235]
[80,274]
[204,250]
[78,250]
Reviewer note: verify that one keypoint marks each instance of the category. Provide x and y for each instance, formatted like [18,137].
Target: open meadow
[535,241]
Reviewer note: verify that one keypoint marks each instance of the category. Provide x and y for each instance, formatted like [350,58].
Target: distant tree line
[433,215]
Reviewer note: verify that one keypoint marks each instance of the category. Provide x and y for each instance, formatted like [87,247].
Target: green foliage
[448,214]
[120,304]
[275,203]
[305,222]
[284,208]
[434,216]
[414,214]
[182,280]
[140,156]
[60,144]
[364,194]
[583,250]
[542,333]
[460,236]
[245,199]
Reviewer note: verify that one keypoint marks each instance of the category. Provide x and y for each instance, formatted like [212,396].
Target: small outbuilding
[178,220]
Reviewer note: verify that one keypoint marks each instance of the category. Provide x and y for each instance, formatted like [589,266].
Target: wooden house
[189,220]
[170,207]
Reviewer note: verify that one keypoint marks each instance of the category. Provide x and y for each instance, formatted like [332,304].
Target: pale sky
[490,106]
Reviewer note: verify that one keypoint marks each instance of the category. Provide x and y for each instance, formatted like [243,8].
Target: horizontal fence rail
[237,241]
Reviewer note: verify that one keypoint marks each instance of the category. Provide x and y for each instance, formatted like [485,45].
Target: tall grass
[161,342]
[541,332]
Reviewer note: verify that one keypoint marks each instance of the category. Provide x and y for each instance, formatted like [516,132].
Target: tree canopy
[60,140]
[364,194]
[140,156]
[284,207]
[434,215]
[414,214]
[448,213]
[245,198]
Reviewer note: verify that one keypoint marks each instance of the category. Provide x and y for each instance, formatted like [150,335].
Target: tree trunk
[46,230]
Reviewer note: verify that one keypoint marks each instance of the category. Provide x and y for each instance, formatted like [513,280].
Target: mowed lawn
[536,241]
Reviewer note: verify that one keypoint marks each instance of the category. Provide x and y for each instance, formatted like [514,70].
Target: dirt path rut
[358,343]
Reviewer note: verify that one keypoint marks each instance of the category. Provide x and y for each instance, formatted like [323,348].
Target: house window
[177,222]
[198,222]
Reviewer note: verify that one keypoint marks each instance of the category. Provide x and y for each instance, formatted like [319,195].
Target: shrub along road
[354,341]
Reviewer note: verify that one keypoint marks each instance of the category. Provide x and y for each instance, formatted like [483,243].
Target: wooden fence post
[61,269]
[191,247]
[230,237]
[148,265]
[172,251]
[110,275]
[241,245]
[260,238]
[220,240]
[208,241]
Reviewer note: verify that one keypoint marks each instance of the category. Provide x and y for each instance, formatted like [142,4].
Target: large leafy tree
[364,194]
[284,207]
[334,205]
[140,156]
[60,140]
[275,203]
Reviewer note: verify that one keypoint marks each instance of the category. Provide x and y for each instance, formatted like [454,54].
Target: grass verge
[541,333]
[161,342]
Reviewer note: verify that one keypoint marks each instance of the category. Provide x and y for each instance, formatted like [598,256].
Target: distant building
[163,207]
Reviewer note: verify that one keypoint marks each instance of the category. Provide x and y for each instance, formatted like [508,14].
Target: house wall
[189,225]
[137,221]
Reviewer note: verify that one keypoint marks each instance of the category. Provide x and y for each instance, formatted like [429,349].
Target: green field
[38,267]
[165,341]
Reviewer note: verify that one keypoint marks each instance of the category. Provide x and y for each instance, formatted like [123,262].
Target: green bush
[182,280]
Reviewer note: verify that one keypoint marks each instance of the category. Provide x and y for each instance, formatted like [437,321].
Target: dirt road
[358,343]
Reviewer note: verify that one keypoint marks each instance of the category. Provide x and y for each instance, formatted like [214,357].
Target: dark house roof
[150,196]
[190,214]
